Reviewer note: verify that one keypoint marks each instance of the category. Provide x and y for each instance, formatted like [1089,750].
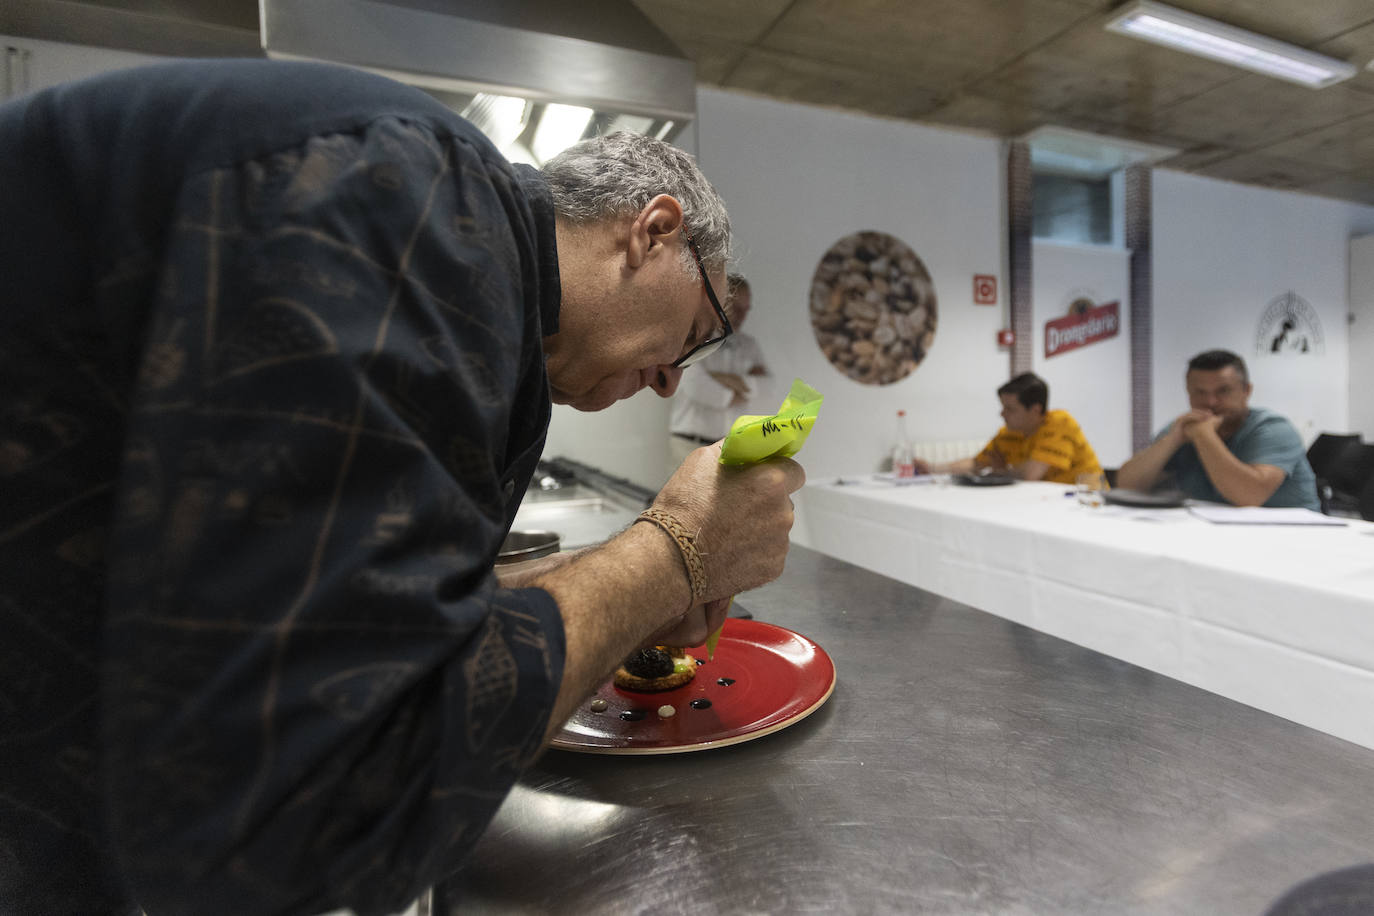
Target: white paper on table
[1259,515]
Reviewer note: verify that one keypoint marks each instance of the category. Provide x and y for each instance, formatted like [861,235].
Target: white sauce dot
[666,711]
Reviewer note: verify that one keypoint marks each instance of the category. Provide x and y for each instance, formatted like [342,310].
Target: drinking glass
[1090,488]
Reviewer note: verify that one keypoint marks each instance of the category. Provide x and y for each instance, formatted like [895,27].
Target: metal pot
[528,545]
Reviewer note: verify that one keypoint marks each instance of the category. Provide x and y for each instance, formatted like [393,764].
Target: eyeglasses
[711,345]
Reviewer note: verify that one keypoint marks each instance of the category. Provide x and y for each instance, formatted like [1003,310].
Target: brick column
[1138,240]
[1019,248]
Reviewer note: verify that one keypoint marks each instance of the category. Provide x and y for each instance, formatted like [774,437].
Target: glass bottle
[903,458]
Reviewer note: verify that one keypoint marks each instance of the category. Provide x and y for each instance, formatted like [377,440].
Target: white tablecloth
[1278,617]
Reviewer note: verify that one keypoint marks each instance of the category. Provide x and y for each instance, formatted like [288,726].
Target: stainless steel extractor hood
[517,68]
[536,75]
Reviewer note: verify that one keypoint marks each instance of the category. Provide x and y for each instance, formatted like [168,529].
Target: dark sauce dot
[725,681]
[632,715]
[702,703]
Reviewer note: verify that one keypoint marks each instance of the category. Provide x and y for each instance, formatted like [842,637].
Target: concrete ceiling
[1005,67]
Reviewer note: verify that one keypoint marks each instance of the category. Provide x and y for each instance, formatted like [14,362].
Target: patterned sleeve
[316,695]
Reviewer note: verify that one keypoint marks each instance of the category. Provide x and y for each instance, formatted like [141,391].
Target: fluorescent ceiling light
[1205,37]
[501,117]
[637,123]
[519,152]
[652,127]
[559,128]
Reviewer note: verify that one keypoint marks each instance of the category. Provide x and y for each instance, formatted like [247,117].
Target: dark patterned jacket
[271,388]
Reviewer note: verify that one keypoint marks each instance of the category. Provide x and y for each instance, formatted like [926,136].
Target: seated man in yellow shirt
[1036,444]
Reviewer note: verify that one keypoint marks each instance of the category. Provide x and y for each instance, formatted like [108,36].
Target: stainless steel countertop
[964,765]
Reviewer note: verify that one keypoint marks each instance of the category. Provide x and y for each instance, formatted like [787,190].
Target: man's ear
[651,227]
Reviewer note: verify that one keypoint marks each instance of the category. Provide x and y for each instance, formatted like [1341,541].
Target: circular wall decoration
[873,308]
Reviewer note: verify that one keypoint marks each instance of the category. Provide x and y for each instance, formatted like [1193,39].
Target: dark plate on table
[984,480]
[1158,499]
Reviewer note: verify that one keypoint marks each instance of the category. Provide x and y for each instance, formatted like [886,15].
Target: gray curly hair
[619,174]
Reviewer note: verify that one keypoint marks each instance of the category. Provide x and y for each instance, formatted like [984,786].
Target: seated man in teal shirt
[1223,449]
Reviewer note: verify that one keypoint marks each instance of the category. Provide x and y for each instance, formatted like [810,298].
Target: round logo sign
[1289,326]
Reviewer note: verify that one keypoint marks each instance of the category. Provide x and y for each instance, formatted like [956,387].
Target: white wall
[797,179]
[1222,252]
[1092,382]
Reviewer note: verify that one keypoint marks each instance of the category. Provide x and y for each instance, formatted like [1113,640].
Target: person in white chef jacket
[720,387]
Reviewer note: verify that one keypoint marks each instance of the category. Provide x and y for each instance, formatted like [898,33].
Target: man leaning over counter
[1224,450]
[1035,444]
[279,348]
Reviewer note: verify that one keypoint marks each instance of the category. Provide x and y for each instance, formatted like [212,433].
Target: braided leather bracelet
[686,545]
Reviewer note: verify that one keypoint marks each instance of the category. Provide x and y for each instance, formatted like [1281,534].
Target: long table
[965,765]
[1279,617]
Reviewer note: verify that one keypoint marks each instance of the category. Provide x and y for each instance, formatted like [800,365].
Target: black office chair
[1326,448]
[1346,478]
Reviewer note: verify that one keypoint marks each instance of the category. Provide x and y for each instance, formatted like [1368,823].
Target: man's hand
[1198,423]
[1178,430]
[692,628]
[741,516]
[634,587]
[996,462]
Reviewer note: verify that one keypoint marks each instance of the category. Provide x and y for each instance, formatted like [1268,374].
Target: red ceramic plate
[763,678]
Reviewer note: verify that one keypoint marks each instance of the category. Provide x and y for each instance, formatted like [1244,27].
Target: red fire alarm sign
[984,289]
[1006,337]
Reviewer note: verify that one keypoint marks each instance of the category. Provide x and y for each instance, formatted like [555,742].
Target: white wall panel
[1222,253]
[1092,382]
